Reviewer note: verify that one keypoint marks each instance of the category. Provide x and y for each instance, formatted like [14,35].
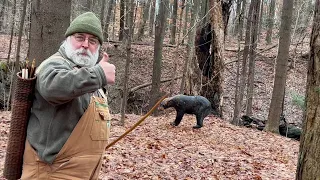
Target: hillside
[219,150]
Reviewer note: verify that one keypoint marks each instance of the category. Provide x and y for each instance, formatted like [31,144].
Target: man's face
[83,49]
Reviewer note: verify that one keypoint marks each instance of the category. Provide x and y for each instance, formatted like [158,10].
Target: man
[69,124]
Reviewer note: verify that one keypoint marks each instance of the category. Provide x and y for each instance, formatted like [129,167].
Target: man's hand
[109,69]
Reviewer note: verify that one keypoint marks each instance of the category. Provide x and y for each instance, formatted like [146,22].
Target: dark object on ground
[285,129]
[197,105]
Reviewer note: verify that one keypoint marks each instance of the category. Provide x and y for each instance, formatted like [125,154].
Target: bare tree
[49,21]
[145,15]
[174,22]
[3,5]
[122,15]
[275,109]
[309,153]
[260,20]
[270,21]
[186,19]
[180,19]
[106,27]
[160,27]
[102,12]
[243,9]
[238,16]
[240,93]
[128,59]
[190,78]
[151,19]
[12,29]
[252,52]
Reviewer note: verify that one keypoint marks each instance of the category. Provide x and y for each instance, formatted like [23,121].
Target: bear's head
[166,103]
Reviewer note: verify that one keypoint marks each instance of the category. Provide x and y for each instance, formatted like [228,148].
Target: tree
[270,21]
[2,14]
[275,109]
[238,16]
[20,37]
[190,77]
[122,14]
[226,5]
[151,21]
[146,7]
[180,19]
[240,93]
[174,22]
[127,67]
[106,28]
[308,167]
[102,12]
[12,29]
[260,20]
[186,20]
[49,22]
[79,6]
[160,28]
[212,89]
[252,52]
[243,8]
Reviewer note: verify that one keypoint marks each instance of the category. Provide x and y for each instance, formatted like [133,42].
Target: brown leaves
[219,150]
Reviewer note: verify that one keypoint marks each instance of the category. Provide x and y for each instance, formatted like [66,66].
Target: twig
[148,84]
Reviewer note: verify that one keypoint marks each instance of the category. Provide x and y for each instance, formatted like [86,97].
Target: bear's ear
[164,102]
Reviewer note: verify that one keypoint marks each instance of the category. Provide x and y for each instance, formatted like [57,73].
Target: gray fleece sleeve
[58,83]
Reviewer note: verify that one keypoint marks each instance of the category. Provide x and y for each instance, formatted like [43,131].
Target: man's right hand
[109,69]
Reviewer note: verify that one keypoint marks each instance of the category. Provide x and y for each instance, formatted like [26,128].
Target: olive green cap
[86,23]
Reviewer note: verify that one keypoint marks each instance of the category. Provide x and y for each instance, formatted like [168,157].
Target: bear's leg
[178,118]
[199,117]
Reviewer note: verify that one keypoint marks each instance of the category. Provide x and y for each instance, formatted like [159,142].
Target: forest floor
[219,150]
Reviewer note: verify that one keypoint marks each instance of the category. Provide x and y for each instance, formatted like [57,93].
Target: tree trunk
[238,104]
[106,27]
[151,22]
[238,16]
[226,5]
[2,15]
[174,22]
[102,12]
[254,35]
[114,18]
[186,19]
[213,89]
[127,67]
[49,22]
[160,27]
[12,29]
[180,20]
[189,78]
[260,20]
[122,9]
[79,7]
[146,7]
[17,62]
[275,110]
[309,154]
[270,21]
[243,9]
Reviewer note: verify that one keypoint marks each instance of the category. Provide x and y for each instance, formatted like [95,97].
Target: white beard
[81,57]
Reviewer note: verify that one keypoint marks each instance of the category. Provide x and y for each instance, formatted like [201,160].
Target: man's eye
[93,41]
[80,38]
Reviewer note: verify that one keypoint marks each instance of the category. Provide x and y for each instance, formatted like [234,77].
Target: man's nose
[85,43]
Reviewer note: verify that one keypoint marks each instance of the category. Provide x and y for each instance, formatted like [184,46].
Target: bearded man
[69,123]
